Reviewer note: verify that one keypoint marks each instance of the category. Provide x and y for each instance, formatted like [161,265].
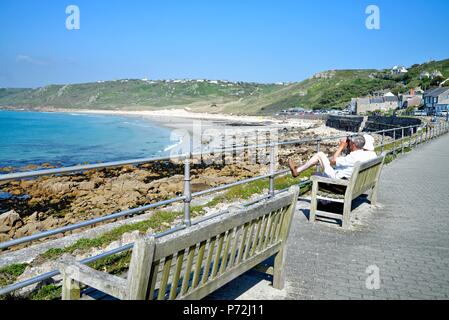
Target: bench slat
[257,236]
[249,240]
[176,275]
[153,279]
[224,262]
[218,253]
[188,270]
[199,263]
[165,276]
[209,259]
[242,244]
[232,258]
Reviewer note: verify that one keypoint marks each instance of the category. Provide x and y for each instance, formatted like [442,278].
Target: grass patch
[116,264]
[9,274]
[48,292]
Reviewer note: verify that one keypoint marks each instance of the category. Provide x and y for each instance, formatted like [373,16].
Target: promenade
[406,237]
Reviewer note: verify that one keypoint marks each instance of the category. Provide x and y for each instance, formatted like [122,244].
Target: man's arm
[341,147]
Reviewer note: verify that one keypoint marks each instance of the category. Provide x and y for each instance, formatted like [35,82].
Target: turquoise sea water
[69,139]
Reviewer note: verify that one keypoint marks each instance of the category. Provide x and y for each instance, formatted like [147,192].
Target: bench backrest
[192,263]
[365,176]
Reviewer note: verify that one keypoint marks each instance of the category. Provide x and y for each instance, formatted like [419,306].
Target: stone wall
[374,123]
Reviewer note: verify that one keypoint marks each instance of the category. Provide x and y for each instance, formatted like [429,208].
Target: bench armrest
[102,281]
[339,182]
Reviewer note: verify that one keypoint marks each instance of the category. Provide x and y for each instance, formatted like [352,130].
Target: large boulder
[28,230]
[86,186]
[9,219]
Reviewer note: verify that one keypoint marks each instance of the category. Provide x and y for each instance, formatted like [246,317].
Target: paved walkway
[406,238]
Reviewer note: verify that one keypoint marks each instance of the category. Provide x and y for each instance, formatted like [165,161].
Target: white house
[424,75]
[399,70]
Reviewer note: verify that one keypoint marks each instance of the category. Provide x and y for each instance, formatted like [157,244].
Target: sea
[65,139]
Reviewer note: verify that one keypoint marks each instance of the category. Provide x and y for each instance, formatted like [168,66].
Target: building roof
[376,100]
[363,100]
[414,101]
[435,92]
[391,98]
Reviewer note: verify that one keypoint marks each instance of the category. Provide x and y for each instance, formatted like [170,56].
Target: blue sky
[246,40]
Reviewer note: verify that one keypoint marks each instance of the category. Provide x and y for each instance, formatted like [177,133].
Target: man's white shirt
[345,165]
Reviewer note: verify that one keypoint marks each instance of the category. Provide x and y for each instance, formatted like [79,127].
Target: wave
[170,147]
[78,114]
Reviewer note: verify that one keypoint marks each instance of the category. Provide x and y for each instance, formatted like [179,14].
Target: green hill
[328,89]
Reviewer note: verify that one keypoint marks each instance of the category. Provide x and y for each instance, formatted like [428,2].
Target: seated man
[343,165]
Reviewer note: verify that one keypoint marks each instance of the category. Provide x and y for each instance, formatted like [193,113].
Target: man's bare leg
[317,158]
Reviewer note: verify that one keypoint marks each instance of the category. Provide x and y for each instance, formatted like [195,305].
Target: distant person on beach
[339,167]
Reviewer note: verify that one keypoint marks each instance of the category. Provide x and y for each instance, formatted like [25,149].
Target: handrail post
[187,192]
[272,169]
[257,146]
[410,131]
[402,142]
[223,148]
[382,142]
[414,135]
[420,141]
[394,142]
[234,152]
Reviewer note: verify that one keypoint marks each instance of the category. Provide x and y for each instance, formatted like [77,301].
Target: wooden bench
[192,263]
[364,179]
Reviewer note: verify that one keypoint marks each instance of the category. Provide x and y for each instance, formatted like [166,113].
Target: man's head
[356,143]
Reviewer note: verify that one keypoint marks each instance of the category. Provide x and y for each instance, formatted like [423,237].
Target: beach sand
[184,119]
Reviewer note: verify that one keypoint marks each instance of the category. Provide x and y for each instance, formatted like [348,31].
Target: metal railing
[415,135]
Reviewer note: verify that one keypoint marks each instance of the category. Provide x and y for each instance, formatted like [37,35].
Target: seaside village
[418,101]
[431,102]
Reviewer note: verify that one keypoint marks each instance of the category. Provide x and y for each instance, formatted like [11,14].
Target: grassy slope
[239,98]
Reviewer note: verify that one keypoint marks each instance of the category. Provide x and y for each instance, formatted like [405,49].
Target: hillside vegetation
[328,89]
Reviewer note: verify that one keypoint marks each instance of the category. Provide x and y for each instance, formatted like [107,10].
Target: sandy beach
[191,121]
[180,117]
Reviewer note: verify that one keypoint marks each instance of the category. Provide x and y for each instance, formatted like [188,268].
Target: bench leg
[347,214]
[70,289]
[313,202]
[373,196]
[279,272]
